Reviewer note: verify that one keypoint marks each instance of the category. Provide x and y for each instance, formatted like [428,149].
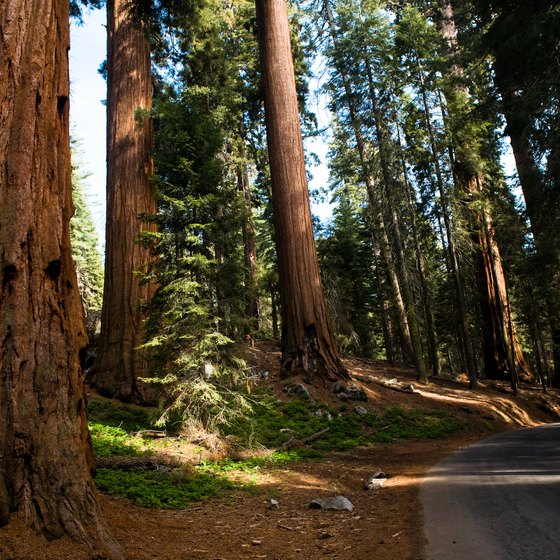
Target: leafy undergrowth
[161,488]
[127,417]
[168,489]
[273,423]
[110,441]
[270,425]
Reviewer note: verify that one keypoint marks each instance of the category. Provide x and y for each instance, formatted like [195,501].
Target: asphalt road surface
[498,499]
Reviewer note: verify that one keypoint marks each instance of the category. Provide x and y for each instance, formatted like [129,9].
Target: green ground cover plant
[269,425]
[155,489]
[272,423]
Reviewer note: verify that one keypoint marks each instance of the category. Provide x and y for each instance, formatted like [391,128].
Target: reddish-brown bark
[130,198]
[45,450]
[500,344]
[536,199]
[308,346]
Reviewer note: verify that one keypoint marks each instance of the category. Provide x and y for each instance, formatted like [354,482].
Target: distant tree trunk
[45,450]
[453,257]
[381,239]
[488,265]
[425,284]
[384,309]
[395,219]
[249,242]
[274,311]
[130,196]
[308,346]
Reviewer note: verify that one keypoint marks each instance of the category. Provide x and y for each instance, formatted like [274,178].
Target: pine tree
[83,235]
[502,353]
[522,37]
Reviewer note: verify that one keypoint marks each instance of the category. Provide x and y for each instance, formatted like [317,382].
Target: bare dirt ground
[385,524]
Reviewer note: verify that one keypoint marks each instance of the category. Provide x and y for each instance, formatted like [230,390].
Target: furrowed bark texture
[130,196]
[308,345]
[498,347]
[45,450]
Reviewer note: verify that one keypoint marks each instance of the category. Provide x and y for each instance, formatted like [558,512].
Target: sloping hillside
[242,522]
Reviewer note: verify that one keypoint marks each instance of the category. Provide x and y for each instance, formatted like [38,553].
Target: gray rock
[338,387]
[360,410]
[335,502]
[376,481]
[300,390]
[274,504]
[353,393]
[323,414]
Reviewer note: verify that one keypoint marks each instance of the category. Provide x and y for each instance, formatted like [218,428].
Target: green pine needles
[83,234]
[197,313]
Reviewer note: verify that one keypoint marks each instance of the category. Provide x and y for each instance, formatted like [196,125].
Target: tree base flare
[312,360]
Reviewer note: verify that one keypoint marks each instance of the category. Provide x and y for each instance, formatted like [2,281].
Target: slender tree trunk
[395,220]
[249,242]
[384,309]
[130,197]
[308,345]
[424,283]
[45,450]
[274,312]
[488,265]
[453,258]
[381,238]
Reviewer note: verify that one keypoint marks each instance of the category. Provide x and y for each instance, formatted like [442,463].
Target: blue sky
[87,113]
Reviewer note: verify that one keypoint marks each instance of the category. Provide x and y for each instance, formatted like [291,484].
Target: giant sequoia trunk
[531,179]
[130,197]
[45,451]
[502,352]
[308,345]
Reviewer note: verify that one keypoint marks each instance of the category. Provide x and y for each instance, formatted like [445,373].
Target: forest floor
[385,523]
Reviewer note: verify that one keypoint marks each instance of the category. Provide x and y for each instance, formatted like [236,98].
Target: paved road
[496,500]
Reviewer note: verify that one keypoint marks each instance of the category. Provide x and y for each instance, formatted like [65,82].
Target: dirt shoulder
[384,524]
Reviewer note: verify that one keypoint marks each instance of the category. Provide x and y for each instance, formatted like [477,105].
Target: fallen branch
[294,442]
[395,385]
[151,434]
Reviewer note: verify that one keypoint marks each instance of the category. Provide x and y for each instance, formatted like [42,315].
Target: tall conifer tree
[308,346]
[130,201]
